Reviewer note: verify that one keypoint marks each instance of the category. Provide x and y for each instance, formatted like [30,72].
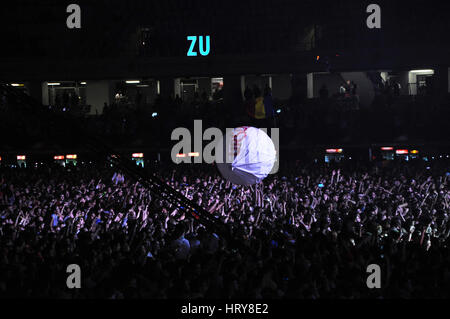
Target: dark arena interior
[102,197]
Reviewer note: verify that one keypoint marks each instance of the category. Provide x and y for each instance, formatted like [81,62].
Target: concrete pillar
[310,85]
[404,80]
[177,87]
[281,86]
[242,79]
[44,92]
[169,87]
[166,88]
[38,90]
[152,92]
[97,94]
[412,83]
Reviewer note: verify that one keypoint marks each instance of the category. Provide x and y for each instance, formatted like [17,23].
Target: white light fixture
[54,83]
[17,84]
[154,114]
[83,83]
[132,81]
[423,71]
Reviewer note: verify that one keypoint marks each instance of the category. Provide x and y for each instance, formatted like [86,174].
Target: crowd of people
[309,231]
[318,121]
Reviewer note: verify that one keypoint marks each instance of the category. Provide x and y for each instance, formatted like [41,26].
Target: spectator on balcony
[348,88]
[342,90]
[397,87]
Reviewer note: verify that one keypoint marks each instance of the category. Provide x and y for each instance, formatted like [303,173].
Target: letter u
[200,45]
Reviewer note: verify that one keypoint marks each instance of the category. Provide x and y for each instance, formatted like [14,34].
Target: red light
[334,150]
[138,155]
[71,156]
[58,157]
[181,155]
[195,215]
[21,157]
[387,148]
[400,152]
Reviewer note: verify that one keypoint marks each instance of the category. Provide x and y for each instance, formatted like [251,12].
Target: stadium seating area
[318,121]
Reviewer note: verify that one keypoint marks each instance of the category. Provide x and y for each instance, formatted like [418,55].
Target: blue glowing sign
[204,48]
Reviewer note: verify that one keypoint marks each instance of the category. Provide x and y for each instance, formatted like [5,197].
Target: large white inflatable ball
[248,155]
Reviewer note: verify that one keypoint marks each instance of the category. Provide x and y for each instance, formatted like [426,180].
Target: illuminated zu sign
[204,47]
